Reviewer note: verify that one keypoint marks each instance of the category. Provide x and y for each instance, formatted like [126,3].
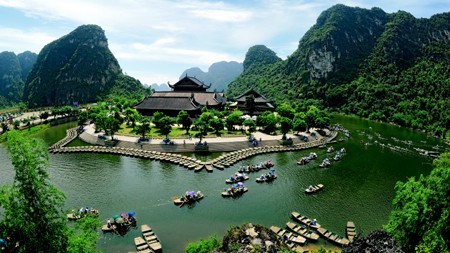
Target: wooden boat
[290,237]
[151,238]
[76,215]
[314,189]
[337,157]
[237,179]
[141,244]
[325,163]
[236,192]
[305,220]
[351,232]
[185,200]
[333,237]
[308,234]
[303,161]
[266,178]
[330,149]
[105,228]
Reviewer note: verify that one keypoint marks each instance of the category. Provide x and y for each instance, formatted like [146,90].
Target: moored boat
[337,157]
[303,161]
[269,177]
[303,231]
[326,162]
[238,177]
[313,189]
[330,149]
[141,244]
[305,220]
[189,197]
[82,212]
[333,237]
[288,236]
[235,190]
[351,231]
[150,237]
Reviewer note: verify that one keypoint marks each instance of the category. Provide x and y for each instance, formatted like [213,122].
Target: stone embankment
[168,153]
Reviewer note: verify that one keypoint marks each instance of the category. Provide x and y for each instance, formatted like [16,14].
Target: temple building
[252,103]
[188,94]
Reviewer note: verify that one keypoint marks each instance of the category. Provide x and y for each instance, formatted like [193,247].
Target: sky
[155,40]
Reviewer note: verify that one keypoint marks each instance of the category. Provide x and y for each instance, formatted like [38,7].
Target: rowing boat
[351,231]
[333,237]
[314,189]
[305,220]
[308,234]
[288,236]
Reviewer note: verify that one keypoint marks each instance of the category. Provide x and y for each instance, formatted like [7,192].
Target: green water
[360,187]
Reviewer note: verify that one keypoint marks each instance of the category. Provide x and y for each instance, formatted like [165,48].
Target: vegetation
[204,245]
[420,217]
[14,70]
[32,216]
[78,68]
[388,67]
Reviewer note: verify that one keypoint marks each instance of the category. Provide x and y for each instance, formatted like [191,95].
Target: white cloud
[16,40]
[183,33]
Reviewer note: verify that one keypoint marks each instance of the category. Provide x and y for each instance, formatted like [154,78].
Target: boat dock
[171,156]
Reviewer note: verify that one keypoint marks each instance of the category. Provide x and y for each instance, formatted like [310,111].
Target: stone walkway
[156,150]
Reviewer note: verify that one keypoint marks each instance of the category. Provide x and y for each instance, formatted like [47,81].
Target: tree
[420,219]
[235,118]
[216,124]
[83,116]
[83,236]
[285,126]
[251,126]
[157,116]
[202,128]
[112,125]
[184,120]
[32,206]
[286,110]
[250,104]
[143,128]
[16,124]
[203,246]
[311,116]
[299,125]
[44,115]
[130,116]
[165,127]
[269,122]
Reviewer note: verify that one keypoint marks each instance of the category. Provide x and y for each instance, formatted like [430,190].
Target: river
[360,187]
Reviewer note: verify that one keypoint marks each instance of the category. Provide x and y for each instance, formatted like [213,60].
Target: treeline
[386,67]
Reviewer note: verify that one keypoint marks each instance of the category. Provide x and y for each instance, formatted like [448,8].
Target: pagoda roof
[168,103]
[258,97]
[202,98]
[189,82]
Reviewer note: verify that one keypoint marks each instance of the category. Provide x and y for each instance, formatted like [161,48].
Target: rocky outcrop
[78,67]
[251,238]
[377,241]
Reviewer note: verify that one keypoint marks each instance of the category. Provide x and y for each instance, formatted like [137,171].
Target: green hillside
[390,67]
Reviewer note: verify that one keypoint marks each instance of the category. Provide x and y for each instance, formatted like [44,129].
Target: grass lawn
[176,133]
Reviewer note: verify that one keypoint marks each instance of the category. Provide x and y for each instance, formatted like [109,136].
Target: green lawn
[175,133]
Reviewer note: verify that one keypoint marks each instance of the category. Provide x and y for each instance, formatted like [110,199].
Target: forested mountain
[79,67]
[14,70]
[390,67]
[220,74]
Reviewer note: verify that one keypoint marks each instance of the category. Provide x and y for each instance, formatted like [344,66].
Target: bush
[203,246]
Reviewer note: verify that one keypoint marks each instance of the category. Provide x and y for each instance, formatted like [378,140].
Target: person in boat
[262,177]
[314,222]
[108,223]
[310,188]
[231,178]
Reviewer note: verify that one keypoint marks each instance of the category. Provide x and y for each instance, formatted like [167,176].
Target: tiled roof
[168,103]
[213,98]
[189,81]
[258,97]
